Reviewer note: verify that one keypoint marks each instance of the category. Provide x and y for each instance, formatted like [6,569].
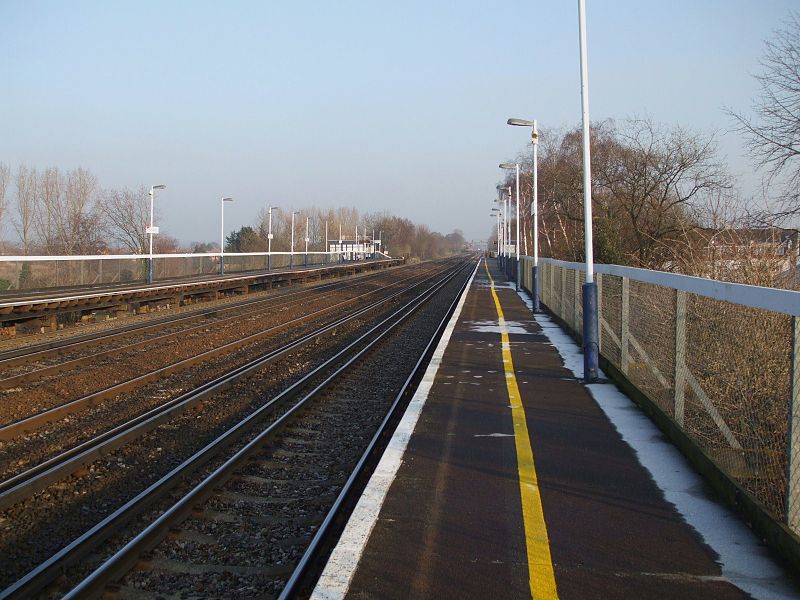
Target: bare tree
[26,181]
[649,178]
[773,134]
[5,177]
[127,212]
[47,197]
[67,219]
[80,220]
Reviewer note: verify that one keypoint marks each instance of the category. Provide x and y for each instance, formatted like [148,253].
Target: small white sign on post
[511,249]
[152,229]
[270,236]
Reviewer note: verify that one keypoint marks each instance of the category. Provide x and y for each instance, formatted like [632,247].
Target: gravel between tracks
[35,528]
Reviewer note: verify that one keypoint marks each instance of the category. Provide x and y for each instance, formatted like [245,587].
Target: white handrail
[41,258]
[773,299]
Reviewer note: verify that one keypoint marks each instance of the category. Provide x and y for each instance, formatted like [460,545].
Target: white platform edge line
[335,580]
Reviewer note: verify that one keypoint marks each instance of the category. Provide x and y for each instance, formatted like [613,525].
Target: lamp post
[509,207]
[501,204]
[151,230]
[325,256]
[534,206]
[590,326]
[222,235]
[505,199]
[269,237]
[516,167]
[291,248]
[496,212]
[305,256]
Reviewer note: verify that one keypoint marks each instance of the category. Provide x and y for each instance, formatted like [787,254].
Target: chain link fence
[42,272]
[719,359]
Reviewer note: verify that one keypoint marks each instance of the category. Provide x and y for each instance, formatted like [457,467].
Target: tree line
[663,198]
[399,236]
[67,212]
[55,212]
[650,187]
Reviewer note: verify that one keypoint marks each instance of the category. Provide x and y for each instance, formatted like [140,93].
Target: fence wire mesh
[728,374]
[19,275]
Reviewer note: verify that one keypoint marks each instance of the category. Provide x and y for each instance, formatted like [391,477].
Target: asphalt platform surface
[452,526]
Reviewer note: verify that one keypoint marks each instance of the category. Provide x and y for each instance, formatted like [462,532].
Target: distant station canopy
[356,249]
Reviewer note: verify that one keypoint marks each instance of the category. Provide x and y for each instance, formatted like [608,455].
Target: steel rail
[15,428]
[10,358]
[16,380]
[359,471]
[142,288]
[42,575]
[127,557]
[23,485]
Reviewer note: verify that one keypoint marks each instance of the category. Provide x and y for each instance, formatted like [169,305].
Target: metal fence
[43,272]
[720,359]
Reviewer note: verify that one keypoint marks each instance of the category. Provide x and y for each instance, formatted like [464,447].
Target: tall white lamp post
[151,229]
[501,204]
[516,167]
[291,247]
[534,206]
[591,353]
[222,235]
[496,213]
[305,256]
[269,237]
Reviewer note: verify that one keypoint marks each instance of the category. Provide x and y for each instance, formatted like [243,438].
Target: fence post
[562,311]
[793,466]
[599,279]
[680,354]
[623,339]
[576,319]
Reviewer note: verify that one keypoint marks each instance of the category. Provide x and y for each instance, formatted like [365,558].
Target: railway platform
[509,478]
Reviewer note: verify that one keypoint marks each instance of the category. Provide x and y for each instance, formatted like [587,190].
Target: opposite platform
[515,484]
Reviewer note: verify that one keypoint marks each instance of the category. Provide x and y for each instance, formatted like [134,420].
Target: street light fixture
[501,203]
[515,166]
[506,204]
[222,235]
[291,249]
[305,256]
[269,236]
[534,205]
[151,229]
[493,214]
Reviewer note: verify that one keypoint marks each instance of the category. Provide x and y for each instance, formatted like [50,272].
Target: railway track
[26,483]
[112,440]
[58,349]
[138,373]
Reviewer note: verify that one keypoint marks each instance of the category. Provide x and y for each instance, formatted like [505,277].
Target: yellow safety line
[540,565]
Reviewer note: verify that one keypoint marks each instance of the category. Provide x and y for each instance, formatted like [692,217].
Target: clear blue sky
[378,105]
